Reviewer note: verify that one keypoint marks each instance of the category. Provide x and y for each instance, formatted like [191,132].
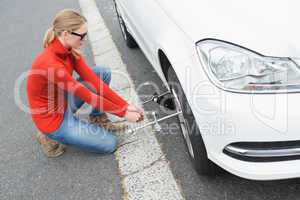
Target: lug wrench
[157,98]
[157,127]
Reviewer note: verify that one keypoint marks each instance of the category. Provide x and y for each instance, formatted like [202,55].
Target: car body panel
[268,27]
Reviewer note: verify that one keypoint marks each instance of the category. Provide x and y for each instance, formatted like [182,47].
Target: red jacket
[49,78]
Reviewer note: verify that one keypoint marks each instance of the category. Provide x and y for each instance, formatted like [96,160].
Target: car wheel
[190,130]
[130,41]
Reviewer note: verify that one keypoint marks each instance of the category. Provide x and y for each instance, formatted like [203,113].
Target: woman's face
[76,38]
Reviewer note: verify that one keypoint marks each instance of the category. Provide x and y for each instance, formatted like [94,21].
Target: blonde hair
[65,20]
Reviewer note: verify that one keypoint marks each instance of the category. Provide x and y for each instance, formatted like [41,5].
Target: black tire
[129,40]
[197,150]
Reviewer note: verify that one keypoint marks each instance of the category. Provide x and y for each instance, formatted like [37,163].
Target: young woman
[54,95]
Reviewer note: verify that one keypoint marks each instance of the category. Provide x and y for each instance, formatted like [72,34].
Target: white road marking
[144,170]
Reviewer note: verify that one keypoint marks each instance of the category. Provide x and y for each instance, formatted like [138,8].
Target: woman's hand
[135,109]
[134,114]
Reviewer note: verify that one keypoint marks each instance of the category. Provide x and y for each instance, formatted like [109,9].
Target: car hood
[269,27]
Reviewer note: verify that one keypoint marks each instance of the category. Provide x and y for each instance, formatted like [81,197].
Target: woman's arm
[87,74]
[60,76]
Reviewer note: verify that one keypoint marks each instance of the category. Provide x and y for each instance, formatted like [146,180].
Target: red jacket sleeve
[87,74]
[60,76]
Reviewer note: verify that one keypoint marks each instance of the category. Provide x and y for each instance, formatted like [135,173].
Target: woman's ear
[64,34]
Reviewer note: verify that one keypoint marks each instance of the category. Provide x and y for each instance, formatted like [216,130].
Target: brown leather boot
[105,123]
[50,147]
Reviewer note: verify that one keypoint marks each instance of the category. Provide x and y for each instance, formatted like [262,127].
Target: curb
[144,169]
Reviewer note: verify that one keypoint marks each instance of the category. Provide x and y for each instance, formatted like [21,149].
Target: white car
[234,66]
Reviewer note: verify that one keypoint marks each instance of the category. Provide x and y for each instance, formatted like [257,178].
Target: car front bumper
[254,136]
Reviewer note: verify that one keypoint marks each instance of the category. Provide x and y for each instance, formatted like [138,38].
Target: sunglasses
[80,35]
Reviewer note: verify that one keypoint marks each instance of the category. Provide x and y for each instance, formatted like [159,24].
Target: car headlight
[235,68]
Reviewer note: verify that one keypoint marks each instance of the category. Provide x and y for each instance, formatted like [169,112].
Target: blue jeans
[78,133]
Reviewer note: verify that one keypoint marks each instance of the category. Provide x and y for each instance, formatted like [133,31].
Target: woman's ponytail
[48,37]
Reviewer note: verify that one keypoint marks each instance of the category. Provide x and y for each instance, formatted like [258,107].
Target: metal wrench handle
[154,122]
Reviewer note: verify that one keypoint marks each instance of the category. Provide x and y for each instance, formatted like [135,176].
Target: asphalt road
[224,186]
[25,173]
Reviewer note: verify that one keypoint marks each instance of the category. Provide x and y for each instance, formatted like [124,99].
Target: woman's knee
[110,144]
[102,142]
[103,72]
